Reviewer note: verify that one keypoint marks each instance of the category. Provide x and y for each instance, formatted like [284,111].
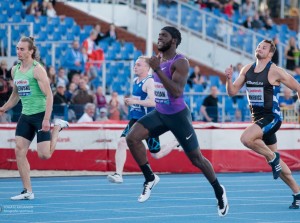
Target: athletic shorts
[152,142]
[269,125]
[180,124]
[29,125]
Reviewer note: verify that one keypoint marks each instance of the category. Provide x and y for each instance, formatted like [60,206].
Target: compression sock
[147,171]
[217,188]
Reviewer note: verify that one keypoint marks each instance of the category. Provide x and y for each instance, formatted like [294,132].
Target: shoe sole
[112,180]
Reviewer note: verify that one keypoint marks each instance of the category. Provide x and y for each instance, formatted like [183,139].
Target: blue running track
[253,197]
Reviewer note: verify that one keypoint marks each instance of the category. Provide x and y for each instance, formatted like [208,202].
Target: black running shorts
[269,125]
[29,125]
[153,143]
[180,124]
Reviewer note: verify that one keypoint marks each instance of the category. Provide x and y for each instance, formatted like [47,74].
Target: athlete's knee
[20,151]
[246,141]
[130,140]
[44,155]
[122,145]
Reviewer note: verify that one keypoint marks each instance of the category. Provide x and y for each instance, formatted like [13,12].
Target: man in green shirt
[31,85]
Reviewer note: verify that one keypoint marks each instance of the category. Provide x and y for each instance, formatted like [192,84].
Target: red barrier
[92,147]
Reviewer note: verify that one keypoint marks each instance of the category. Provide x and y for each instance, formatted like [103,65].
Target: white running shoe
[223,205]
[23,196]
[115,178]
[62,123]
[148,186]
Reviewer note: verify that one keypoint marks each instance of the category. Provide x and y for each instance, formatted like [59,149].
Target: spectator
[197,78]
[93,54]
[228,8]
[248,8]
[100,35]
[256,22]
[59,97]
[102,115]
[235,75]
[286,101]
[69,93]
[43,7]
[51,11]
[33,9]
[61,76]
[89,112]
[111,34]
[248,23]
[100,98]
[209,107]
[4,72]
[6,83]
[81,95]
[113,106]
[275,58]
[268,24]
[290,52]
[51,73]
[224,29]
[74,61]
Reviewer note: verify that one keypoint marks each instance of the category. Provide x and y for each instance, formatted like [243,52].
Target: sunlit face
[164,41]
[141,67]
[23,51]
[263,51]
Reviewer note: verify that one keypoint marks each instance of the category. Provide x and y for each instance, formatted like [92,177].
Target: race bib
[23,87]
[255,96]
[134,106]
[161,94]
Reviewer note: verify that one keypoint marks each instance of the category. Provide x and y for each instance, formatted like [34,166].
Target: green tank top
[32,98]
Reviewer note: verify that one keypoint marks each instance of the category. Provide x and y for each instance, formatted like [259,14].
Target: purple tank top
[165,102]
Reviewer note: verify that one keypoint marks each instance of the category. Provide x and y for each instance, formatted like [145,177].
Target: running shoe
[296,202]
[276,167]
[148,186]
[62,123]
[223,205]
[25,195]
[115,178]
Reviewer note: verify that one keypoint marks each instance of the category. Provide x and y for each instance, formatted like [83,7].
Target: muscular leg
[286,174]
[120,156]
[252,138]
[202,163]
[46,148]
[22,146]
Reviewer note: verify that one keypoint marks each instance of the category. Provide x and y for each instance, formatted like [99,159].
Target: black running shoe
[276,167]
[296,202]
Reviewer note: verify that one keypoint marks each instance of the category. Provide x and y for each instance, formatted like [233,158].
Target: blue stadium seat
[75,30]
[214,80]
[69,22]
[15,19]
[129,47]
[43,20]
[55,21]
[36,28]
[3,18]
[87,29]
[116,46]
[103,45]
[136,54]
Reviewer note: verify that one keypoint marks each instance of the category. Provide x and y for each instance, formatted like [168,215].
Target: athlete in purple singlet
[171,114]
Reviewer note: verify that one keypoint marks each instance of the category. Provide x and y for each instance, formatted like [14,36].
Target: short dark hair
[175,33]
[273,46]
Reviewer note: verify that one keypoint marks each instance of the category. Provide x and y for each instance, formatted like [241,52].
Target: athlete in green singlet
[31,85]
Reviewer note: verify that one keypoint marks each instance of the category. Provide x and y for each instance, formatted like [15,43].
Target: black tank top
[262,96]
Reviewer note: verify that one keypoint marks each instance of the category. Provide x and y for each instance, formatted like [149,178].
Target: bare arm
[13,99]
[279,75]
[41,76]
[148,87]
[203,111]
[233,88]
[180,69]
